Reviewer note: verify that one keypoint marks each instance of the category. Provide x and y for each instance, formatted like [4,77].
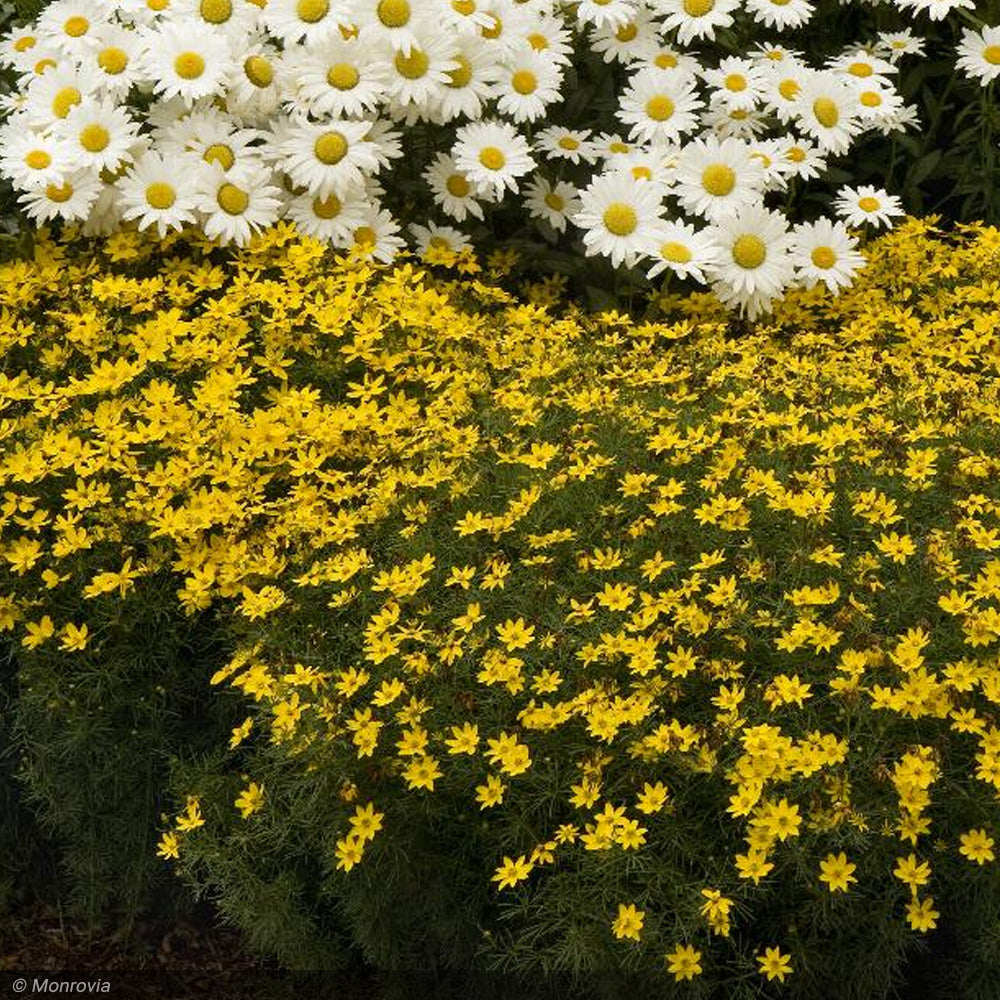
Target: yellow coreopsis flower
[628,923]
[250,800]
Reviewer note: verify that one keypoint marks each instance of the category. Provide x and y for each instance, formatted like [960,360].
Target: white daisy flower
[153,193]
[824,251]
[609,144]
[560,143]
[860,68]
[936,10]
[377,238]
[70,24]
[693,19]
[826,111]
[621,219]
[329,157]
[237,204]
[547,33]
[670,60]
[739,84]
[97,134]
[337,76]
[143,13]
[804,157]
[867,204]
[396,22]
[309,21]
[896,44]
[735,123]
[781,14]
[601,13]
[51,97]
[754,263]
[32,160]
[187,62]
[438,237]
[551,203]
[876,102]
[213,138]
[114,61]
[979,54]
[653,165]
[21,48]
[900,121]
[419,74]
[784,83]
[330,219]
[451,189]
[638,39]
[528,84]
[470,84]
[777,167]
[715,178]
[257,82]
[659,107]
[467,15]
[508,27]
[684,251]
[71,200]
[492,155]
[774,54]
[237,17]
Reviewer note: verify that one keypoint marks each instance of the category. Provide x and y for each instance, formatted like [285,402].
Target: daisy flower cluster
[228,115]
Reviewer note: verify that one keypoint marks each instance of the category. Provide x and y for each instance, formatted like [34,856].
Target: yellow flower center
[826,112]
[65,100]
[94,138]
[620,219]
[76,26]
[666,61]
[327,208]
[736,82]
[718,179]
[330,148]
[796,154]
[461,76]
[160,195]
[698,8]
[627,32]
[311,11]
[868,204]
[216,11]
[659,107]
[157,5]
[365,236]
[23,44]
[676,253]
[492,158]
[458,186]
[59,194]
[992,54]
[554,202]
[788,89]
[860,69]
[232,200]
[568,142]
[439,243]
[219,153]
[749,251]
[113,60]
[538,41]
[343,76]
[393,13]
[619,147]
[258,71]
[823,257]
[38,159]
[189,65]
[463,7]
[524,82]
[413,66]
[496,31]
[43,64]
[871,98]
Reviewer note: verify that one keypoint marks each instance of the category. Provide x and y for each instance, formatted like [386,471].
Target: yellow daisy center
[463,7]
[554,202]
[736,82]
[43,64]
[94,138]
[524,82]
[59,194]
[413,66]
[627,32]
[232,200]
[871,98]
[620,219]
[749,251]
[343,76]
[216,11]
[327,208]
[698,8]
[868,204]
[718,179]
[642,173]
[666,61]
[823,257]
[157,5]
[38,159]
[458,186]
[676,253]
[365,236]
[311,11]
[568,142]
[76,26]
[113,60]
[660,108]
[23,44]
[393,13]
[492,158]
[826,112]
[258,71]
[860,69]
[330,148]
[189,65]
[796,154]
[65,100]
[788,89]
[992,54]
[439,243]
[219,153]
[461,76]
[538,41]
[618,147]
[160,195]
[496,31]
